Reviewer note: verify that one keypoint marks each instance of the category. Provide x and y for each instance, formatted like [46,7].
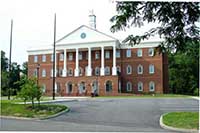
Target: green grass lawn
[8,108]
[148,96]
[187,120]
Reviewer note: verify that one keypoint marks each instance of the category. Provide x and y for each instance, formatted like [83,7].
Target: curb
[43,118]
[174,128]
[51,101]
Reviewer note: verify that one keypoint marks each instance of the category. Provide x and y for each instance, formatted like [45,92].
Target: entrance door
[82,87]
[95,88]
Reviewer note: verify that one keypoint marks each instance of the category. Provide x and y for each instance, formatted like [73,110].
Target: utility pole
[54,53]
[10,59]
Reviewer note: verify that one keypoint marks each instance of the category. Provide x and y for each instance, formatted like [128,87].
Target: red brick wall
[160,77]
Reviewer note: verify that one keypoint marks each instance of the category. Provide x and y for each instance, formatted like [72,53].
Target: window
[108,86]
[129,86]
[60,72]
[118,70]
[97,55]
[51,57]
[151,86]
[43,88]
[80,55]
[118,53]
[70,72]
[151,52]
[151,69]
[97,71]
[43,58]
[43,73]
[86,56]
[69,88]
[128,53]
[140,86]
[140,69]
[35,58]
[128,69]
[35,72]
[107,71]
[107,54]
[80,71]
[139,53]
[70,56]
[61,57]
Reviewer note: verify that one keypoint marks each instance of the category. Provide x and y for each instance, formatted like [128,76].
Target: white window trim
[35,58]
[80,55]
[43,73]
[152,51]
[119,68]
[107,68]
[151,67]
[129,66]
[80,71]
[139,53]
[152,83]
[43,58]
[35,72]
[70,58]
[141,69]
[127,55]
[140,83]
[97,69]
[107,55]
[118,54]
[51,57]
[97,53]
[69,71]
[43,88]
[128,89]
[61,56]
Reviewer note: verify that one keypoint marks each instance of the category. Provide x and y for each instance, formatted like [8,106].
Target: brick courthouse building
[90,61]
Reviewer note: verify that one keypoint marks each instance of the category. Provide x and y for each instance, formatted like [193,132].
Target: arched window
[43,88]
[43,58]
[151,52]
[35,72]
[61,56]
[70,72]
[107,70]
[128,86]
[140,86]
[80,71]
[108,86]
[43,73]
[97,71]
[118,70]
[97,55]
[151,69]
[139,53]
[69,88]
[129,69]
[151,86]
[140,69]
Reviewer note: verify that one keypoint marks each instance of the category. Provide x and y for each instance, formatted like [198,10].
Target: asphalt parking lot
[109,114]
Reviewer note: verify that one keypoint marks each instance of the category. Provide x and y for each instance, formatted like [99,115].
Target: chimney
[92,20]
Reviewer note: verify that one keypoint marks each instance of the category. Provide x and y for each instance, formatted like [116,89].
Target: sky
[33,22]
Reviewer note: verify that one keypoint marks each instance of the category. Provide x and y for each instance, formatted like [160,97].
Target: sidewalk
[197,98]
[60,99]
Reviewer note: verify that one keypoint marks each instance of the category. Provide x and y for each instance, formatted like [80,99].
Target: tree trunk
[33,103]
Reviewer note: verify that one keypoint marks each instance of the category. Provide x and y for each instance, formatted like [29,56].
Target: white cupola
[92,20]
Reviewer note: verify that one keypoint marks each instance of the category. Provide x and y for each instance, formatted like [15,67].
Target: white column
[65,64]
[89,70]
[102,62]
[114,68]
[76,71]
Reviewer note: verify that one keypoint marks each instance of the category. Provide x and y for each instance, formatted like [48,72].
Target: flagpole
[54,53]
[10,58]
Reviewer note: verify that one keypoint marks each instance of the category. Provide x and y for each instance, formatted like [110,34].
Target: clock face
[83,35]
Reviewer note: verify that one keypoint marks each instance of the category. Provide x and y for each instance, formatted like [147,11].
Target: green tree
[183,70]
[4,61]
[25,68]
[176,21]
[29,90]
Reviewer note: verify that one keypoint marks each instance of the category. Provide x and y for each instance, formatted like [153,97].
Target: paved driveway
[123,114]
